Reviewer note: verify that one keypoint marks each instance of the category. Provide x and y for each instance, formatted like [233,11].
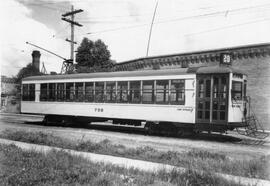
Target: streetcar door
[203,99]
[212,99]
[220,99]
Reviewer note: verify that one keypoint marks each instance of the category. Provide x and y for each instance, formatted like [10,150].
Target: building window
[43,92]
[148,92]
[135,92]
[69,91]
[99,92]
[79,96]
[236,90]
[52,91]
[122,92]
[89,91]
[177,92]
[60,92]
[162,91]
[110,91]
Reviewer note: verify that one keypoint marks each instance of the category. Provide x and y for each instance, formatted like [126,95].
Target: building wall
[8,95]
[252,59]
[258,71]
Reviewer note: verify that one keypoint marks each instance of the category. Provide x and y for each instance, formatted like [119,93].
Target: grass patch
[194,159]
[20,167]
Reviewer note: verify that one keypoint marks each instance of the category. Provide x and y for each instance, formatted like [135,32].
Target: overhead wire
[172,20]
[229,26]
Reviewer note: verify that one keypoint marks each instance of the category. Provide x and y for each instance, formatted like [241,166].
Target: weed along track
[219,156]
[60,167]
[195,159]
[232,145]
[34,121]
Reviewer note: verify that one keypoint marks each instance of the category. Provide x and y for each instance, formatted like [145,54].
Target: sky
[124,25]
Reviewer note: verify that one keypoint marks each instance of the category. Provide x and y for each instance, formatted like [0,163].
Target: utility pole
[68,65]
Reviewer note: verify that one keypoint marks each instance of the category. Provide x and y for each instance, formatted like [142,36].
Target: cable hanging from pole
[150,33]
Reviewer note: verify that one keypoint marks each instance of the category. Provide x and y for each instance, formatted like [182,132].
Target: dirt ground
[232,144]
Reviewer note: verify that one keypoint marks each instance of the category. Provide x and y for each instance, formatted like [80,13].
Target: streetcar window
[215,87]
[79,92]
[148,92]
[177,92]
[28,92]
[135,92]
[207,88]
[69,91]
[236,90]
[31,92]
[43,92]
[60,92]
[52,92]
[162,91]
[25,93]
[201,88]
[110,91]
[223,88]
[122,91]
[245,88]
[99,92]
[89,91]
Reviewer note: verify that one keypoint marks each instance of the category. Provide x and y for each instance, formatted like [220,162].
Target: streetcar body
[204,98]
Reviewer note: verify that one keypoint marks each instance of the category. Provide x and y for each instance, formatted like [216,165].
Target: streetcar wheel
[148,128]
[180,133]
[45,121]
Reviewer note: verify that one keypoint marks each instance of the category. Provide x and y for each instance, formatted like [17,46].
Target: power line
[230,26]
[140,15]
[171,20]
[210,30]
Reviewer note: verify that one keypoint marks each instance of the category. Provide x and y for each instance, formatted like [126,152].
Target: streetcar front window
[237,90]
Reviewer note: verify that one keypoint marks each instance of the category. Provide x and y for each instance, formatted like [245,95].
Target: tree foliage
[93,56]
[29,70]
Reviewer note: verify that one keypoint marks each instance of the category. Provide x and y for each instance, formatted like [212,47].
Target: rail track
[232,137]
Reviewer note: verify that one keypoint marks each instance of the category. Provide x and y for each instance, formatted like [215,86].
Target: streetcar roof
[219,70]
[179,71]
[163,72]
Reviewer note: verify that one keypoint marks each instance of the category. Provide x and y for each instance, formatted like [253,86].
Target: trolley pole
[72,23]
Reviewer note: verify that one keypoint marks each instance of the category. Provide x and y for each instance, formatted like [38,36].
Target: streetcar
[185,99]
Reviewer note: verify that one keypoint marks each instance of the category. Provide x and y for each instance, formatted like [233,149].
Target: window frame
[135,91]
[180,90]
[233,91]
[100,98]
[146,91]
[165,92]
[122,91]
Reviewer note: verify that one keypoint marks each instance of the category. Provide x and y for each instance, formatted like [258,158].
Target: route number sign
[225,59]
